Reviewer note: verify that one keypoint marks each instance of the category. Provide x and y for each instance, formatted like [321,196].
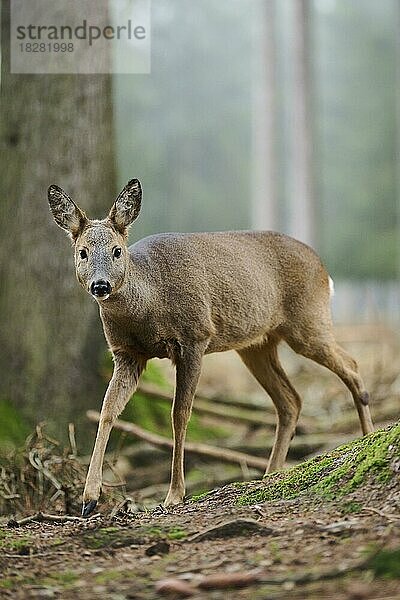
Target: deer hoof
[88,507]
[173,500]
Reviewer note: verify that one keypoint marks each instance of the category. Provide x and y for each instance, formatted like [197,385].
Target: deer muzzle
[100,288]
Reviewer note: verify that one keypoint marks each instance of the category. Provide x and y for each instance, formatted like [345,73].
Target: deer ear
[66,213]
[126,208]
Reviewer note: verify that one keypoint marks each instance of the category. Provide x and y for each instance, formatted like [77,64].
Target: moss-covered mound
[333,475]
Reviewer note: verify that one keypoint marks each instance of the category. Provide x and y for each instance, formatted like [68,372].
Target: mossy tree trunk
[54,129]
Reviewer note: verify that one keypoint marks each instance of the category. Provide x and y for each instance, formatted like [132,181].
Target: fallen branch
[237,580]
[250,404]
[300,446]
[34,555]
[387,411]
[186,589]
[389,516]
[212,408]
[239,411]
[40,517]
[222,454]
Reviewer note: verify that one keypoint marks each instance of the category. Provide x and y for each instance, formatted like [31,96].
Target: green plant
[13,427]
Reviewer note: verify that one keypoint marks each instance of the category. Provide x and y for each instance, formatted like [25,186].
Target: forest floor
[327,528]
[216,547]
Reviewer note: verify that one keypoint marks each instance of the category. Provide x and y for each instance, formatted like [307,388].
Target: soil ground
[127,556]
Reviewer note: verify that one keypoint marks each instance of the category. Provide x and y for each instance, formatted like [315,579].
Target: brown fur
[185,295]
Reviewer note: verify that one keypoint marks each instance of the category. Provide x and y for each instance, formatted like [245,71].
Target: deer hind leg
[321,347]
[263,363]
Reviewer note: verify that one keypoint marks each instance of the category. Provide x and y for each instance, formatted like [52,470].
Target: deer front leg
[188,367]
[121,387]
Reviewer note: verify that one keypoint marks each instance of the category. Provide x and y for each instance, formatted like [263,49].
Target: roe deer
[183,295]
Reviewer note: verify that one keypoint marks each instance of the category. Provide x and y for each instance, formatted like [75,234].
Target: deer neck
[134,296]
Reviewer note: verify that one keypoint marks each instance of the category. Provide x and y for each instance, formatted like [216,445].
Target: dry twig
[40,517]
[380,513]
[72,439]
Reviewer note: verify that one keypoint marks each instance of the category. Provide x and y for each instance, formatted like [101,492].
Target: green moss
[289,484]
[63,579]
[199,497]
[386,564]
[117,538]
[335,474]
[57,542]
[204,495]
[155,531]
[102,537]
[275,552]
[239,484]
[172,533]
[24,580]
[350,507]
[108,576]
[176,533]
[11,542]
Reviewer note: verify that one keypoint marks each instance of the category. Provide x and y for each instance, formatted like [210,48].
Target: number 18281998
[46,47]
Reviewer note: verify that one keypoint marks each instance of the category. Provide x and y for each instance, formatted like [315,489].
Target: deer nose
[100,288]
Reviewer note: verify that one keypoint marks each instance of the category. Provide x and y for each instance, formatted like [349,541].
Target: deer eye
[83,254]
[117,252]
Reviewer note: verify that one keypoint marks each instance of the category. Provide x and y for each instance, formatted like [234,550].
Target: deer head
[101,253]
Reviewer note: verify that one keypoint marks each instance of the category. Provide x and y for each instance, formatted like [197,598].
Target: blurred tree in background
[54,129]
[355,78]
[187,128]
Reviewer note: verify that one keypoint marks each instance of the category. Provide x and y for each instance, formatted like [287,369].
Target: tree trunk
[264,209]
[54,129]
[397,122]
[302,185]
